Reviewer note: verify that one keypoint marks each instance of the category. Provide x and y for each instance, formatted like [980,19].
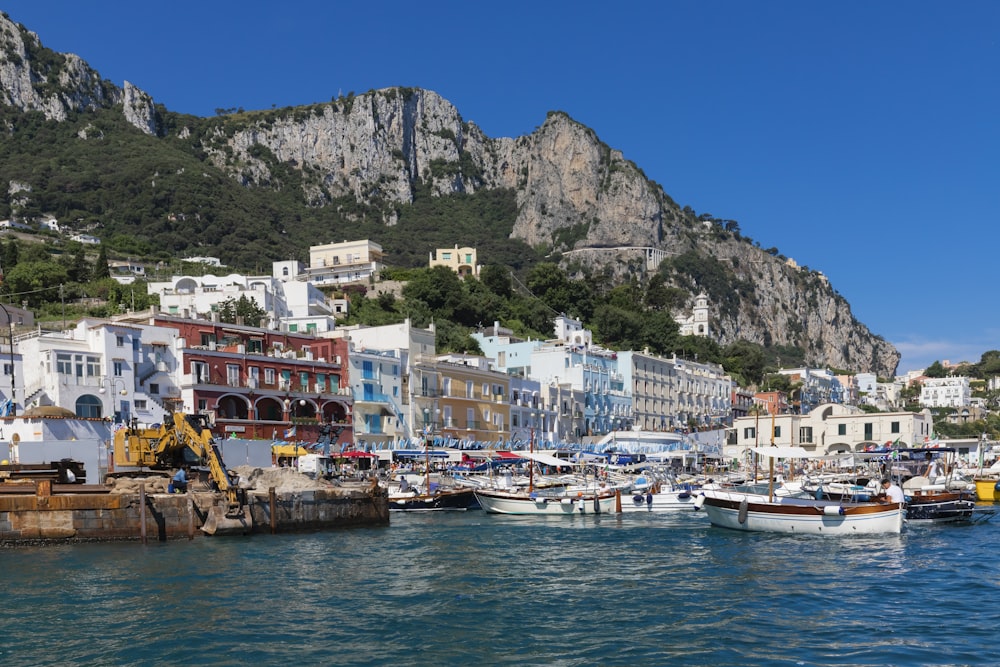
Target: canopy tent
[783,452]
[289,450]
[353,454]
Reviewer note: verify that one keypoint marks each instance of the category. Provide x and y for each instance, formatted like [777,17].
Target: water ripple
[466,588]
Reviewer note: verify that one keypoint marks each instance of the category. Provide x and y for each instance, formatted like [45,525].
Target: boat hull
[800,516]
[986,490]
[499,502]
[663,501]
[940,507]
[456,501]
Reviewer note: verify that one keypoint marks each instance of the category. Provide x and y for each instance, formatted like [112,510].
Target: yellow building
[346,262]
[465,399]
[460,260]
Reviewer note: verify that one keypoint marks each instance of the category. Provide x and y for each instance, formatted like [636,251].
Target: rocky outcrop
[34,78]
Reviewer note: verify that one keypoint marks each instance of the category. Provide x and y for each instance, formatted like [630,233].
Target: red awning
[353,454]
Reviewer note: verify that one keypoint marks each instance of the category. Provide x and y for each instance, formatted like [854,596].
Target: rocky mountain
[574,194]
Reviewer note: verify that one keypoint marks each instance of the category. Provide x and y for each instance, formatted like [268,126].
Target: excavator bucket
[220,521]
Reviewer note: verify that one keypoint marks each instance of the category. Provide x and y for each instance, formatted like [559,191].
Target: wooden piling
[273,502]
[190,517]
[142,511]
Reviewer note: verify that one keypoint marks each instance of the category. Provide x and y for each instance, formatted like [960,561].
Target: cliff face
[575,194]
[33,78]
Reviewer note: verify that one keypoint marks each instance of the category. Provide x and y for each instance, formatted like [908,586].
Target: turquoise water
[475,589]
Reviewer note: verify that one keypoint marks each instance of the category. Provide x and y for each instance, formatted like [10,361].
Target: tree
[33,279]
[439,288]
[100,269]
[936,370]
[243,310]
[496,279]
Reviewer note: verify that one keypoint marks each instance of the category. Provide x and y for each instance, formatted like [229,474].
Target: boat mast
[770,476]
[531,461]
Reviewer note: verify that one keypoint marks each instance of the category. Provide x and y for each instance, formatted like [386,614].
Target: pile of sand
[250,478]
[282,479]
[153,484]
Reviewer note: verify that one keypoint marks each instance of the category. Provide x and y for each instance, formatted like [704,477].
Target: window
[269,376]
[64,364]
[841,429]
[140,405]
[233,375]
[199,370]
[154,390]
[120,341]
[303,381]
[894,427]
[207,338]
[118,367]
[868,431]
[749,433]
[806,434]
[293,327]
[777,432]
[93,367]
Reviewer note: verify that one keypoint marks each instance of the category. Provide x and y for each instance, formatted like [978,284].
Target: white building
[101,369]
[290,305]
[831,428]
[949,392]
[695,324]
[376,380]
[413,345]
[672,393]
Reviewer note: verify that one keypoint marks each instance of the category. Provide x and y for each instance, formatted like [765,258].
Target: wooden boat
[553,501]
[456,499]
[939,505]
[785,514]
[546,501]
[791,514]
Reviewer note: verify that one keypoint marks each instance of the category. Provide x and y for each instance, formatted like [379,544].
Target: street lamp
[110,384]
[10,328]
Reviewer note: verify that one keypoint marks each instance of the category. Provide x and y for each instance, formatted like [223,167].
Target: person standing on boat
[933,470]
[892,491]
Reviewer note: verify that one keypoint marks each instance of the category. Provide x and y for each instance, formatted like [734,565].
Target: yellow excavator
[185,439]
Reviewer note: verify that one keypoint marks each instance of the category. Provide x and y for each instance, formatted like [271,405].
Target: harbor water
[468,588]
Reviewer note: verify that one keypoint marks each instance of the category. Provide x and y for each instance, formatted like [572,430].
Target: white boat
[784,514]
[661,499]
[787,514]
[545,501]
[561,500]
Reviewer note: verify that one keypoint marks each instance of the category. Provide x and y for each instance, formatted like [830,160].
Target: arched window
[89,406]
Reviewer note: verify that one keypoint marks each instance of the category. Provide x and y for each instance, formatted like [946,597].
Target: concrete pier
[41,513]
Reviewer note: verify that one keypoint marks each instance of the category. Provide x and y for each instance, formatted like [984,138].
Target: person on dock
[892,491]
[180,480]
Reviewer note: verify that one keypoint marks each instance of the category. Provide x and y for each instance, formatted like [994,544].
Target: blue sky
[859,138]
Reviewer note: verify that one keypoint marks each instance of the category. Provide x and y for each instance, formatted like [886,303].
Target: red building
[260,383]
